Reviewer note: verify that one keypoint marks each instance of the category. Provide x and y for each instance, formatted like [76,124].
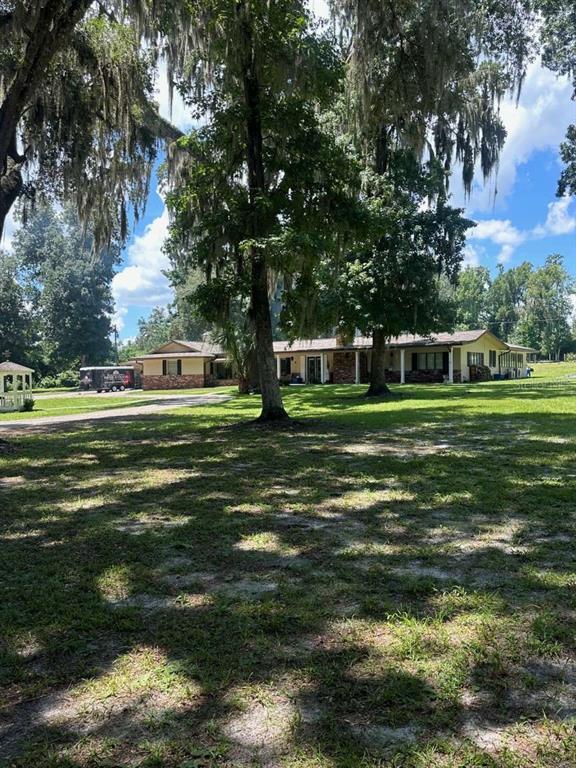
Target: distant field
[553,370]
[390,584]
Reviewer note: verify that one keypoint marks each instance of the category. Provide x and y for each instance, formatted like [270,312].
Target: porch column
[1,383]
[322,367]
[450,365]
[278,366]
[357,367]
[402,365]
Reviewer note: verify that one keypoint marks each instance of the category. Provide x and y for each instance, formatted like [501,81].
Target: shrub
[27,405]
[62,379]
[47,382]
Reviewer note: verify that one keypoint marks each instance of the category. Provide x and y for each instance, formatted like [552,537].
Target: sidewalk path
[158,404]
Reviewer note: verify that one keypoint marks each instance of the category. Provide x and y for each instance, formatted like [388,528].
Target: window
[430,361]
[285,366]
[475,358]
[222,370]
[171,367]
[492,358]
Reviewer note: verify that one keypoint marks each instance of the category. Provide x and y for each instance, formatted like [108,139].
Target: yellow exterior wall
[152,367]
[484,344]
[190,366]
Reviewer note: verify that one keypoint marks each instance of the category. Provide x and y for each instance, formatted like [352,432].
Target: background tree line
[528,305]
[55,295]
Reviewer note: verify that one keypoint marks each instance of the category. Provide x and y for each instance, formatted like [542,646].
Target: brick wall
[420,377]
[188,381]
[344,367]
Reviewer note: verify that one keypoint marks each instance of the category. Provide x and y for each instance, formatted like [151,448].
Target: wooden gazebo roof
[9,367]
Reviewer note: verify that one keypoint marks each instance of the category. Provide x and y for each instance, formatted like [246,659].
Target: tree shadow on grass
[176,592]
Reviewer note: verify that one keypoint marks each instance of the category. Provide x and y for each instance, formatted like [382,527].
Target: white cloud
[141,282]
[471,256]
[502,233]
[538,122]
[119,317]
[559,221]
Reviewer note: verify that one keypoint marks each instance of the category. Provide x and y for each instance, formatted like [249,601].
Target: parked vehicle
[109,378]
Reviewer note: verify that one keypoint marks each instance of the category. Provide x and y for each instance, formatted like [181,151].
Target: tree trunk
[10,187]
[378,386]
[272,405]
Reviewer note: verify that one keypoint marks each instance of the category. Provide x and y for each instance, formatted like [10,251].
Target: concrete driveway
[157,404]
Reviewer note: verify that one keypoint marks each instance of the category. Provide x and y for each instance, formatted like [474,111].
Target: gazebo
[20,379]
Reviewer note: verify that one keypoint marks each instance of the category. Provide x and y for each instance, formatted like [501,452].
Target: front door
[313,370]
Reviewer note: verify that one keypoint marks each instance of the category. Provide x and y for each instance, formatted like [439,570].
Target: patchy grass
[392,584]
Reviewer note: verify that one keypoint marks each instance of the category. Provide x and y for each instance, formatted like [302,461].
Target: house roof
[363,342]
[210,350]
[166,355]
[205,348]
[521,348]
[9,367]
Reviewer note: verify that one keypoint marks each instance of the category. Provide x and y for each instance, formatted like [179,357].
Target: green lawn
[553,370]
[62,406]
[79,403]
[388,584]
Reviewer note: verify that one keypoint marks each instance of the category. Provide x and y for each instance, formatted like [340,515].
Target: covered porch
[406,364]
[15,386]
[323,367]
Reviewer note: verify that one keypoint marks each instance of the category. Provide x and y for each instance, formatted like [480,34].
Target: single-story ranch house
[450,357]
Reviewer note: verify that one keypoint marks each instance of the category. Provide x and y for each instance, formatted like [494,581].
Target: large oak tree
[428,75]
[260,190]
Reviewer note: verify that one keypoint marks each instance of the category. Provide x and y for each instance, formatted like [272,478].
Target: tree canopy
[524,304]
[67,289]
[17,337]
[77,120]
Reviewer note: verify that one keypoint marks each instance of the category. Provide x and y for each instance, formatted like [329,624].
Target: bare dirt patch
[485,735]
[382,735]
[137,527]
[261,733]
